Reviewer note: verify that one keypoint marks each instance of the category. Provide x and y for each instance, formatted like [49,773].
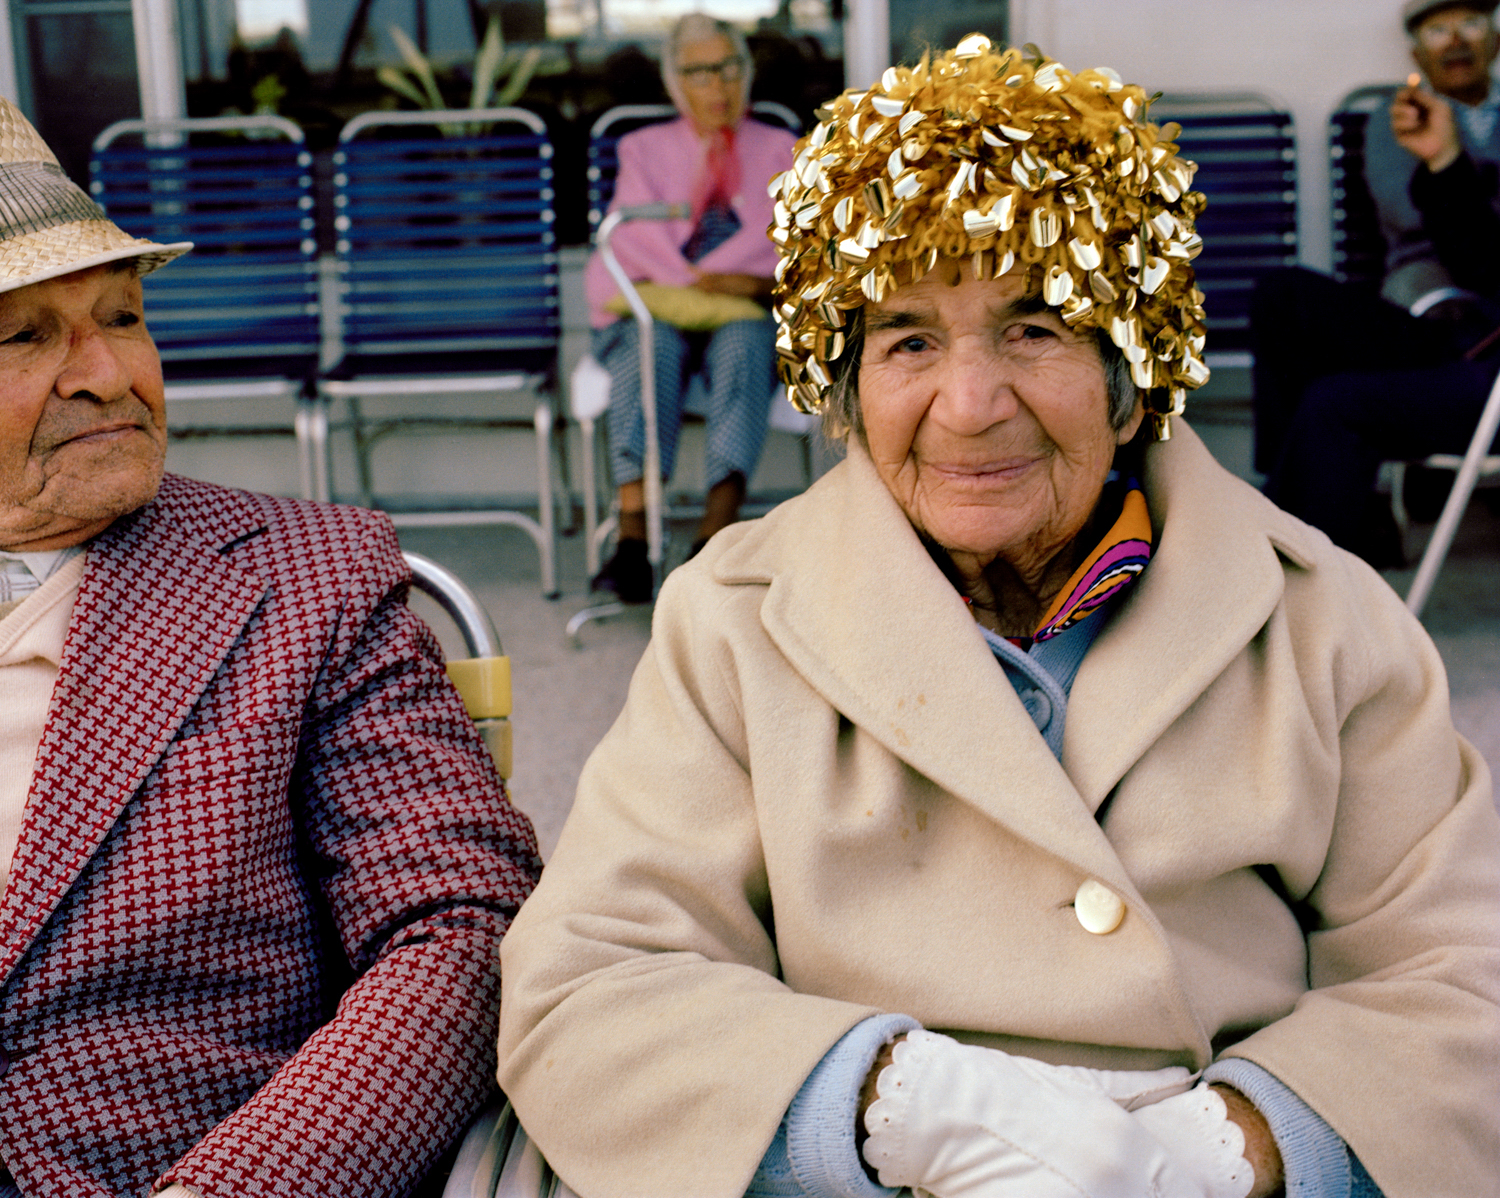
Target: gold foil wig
[1005,161]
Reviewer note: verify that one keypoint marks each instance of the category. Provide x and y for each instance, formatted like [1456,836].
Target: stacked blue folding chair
[1358,247]
[238,318]
[1247,167]
[447,284]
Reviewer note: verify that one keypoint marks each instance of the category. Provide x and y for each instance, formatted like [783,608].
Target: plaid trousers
[738,361]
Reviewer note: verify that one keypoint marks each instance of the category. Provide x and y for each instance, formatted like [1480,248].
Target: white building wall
[1304,55]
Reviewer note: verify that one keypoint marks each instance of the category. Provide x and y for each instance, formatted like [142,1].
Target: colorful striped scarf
[1122,553]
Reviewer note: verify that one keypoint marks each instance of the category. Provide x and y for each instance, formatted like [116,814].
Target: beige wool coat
[823,800]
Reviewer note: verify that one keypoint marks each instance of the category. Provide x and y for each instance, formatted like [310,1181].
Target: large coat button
[1099,909]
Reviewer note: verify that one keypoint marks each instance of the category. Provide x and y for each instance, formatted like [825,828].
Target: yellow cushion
[688,308]
[484,685]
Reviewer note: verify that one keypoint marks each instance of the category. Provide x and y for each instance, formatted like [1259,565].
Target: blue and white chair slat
[447,278]
[239,317]
[1358,246]
[1247,167]
[605,134]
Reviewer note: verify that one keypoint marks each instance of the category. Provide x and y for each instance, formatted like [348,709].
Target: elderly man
[256,862]
[1453,46]
[1344,378]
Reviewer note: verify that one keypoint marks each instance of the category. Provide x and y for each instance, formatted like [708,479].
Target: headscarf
[719,180]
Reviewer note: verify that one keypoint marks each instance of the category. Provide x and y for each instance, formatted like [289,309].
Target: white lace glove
[958,1121]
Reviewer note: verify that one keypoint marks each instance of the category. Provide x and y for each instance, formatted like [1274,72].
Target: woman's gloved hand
[959,1121]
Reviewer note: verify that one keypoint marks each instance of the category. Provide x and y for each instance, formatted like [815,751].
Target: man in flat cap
[1345,379]
[1453,46]
[255,860]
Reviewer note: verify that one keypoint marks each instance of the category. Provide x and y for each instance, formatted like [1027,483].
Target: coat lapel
[1214,580]
[863,614]
[158,610]
[861,611]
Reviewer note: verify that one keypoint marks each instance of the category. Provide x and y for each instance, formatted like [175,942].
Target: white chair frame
[1477,460]
[596,532]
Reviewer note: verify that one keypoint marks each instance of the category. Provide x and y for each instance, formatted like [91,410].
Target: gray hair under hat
[1414,10]
[48,224]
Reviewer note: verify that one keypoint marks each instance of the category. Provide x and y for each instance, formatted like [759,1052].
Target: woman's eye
[1034,332]
[20,337]
[125,320]
[911,345]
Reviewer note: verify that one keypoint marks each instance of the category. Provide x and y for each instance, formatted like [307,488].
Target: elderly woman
[717,161]
[1030,808]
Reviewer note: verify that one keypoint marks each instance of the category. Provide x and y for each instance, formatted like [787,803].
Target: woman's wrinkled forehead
[919,302]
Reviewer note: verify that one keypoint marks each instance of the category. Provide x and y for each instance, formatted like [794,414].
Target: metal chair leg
[1458,500]
[311,426]
[1398,499]
[362,443]
[587,467]
[588,615]
[546,499]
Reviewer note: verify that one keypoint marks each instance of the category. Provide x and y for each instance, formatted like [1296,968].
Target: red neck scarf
[719,179]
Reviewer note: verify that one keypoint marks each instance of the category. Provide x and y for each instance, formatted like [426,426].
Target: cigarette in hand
[1413,80]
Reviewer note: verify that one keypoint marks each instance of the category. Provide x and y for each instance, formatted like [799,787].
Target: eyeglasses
[730,70]
[1437,33]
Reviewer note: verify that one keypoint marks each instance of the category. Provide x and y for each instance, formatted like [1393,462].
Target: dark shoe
[627,574]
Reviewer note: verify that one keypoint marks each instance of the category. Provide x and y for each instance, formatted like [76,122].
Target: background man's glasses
[1437,34]
[730,70]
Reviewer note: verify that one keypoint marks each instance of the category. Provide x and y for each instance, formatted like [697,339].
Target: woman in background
[720,163]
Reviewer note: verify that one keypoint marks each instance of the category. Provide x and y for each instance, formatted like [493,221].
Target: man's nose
[93,369]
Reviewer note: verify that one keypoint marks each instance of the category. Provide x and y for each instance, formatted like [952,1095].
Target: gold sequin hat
[1003,159]
[48,225]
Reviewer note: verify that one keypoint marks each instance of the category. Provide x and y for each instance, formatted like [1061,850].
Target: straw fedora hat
[48,225]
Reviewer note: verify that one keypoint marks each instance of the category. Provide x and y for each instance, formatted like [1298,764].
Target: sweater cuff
[1313,1155]
[813,1154]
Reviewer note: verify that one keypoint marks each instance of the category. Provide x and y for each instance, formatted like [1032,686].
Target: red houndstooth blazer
[249,940]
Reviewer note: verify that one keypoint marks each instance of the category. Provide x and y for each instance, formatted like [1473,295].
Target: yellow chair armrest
[484,685]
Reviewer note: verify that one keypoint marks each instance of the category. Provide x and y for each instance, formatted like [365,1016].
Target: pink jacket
[660,164]
[256,796]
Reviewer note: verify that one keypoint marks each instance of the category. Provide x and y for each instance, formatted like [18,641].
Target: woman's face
[986,416]
[711,73]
